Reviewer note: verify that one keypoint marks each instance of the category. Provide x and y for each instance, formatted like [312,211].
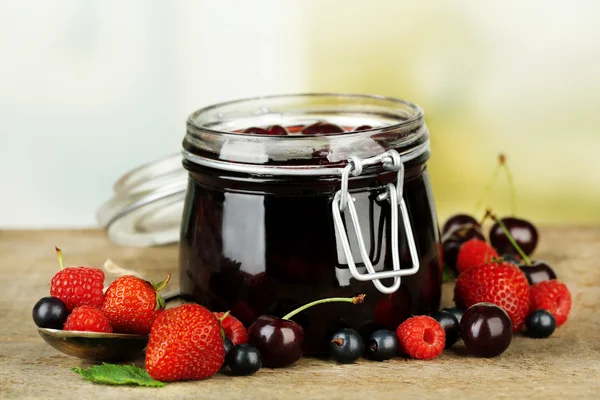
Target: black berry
[540,324]
[244,359]
[457,312]
[228,344]
[346,346]
[383,345]
[50,312]
[450,324]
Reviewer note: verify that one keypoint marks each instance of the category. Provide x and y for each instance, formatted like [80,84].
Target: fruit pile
[317,128]
[498,290]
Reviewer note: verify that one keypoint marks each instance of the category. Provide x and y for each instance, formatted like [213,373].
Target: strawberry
[77,286]
[185,344]
[87,319]
[502,284]
[232,327]
[552,296]
[132,304]
[472,253]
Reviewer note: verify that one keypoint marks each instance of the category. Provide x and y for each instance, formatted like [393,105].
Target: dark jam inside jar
[264,243]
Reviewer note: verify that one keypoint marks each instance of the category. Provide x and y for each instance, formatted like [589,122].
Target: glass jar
[273,222]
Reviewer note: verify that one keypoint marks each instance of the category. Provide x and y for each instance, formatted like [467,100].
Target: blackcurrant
[244,359]
[50,312]
[383,345]
[346,346]
[540,324]
[450,324]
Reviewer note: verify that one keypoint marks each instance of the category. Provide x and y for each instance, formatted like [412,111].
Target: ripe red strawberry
[233,328]
[472,253]
[132,304]
[185,344]
[502,284]
[552,296]
[421,337]
[77,286]
[87,319]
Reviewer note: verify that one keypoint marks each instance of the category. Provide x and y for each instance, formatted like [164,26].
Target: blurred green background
[519,78]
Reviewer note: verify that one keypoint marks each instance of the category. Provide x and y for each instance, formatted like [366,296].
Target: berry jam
[266,244]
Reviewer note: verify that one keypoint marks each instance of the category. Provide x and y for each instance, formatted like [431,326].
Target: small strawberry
[552,296]
[77,286]
[132,304]
[232,327]
[185,344]
[87,319]
[502,284]
[474,252]
[421,337]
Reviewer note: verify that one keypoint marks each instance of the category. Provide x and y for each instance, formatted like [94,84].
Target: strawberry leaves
[111,374]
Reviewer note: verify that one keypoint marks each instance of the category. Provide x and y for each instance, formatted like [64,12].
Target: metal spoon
[96,346]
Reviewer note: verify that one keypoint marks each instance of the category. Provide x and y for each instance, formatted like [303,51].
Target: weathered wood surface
[565,366]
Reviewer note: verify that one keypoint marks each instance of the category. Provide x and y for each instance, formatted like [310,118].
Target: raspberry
[552,296]
[421,337]
[87,319]
[78,286]
[473,253]
[233,328]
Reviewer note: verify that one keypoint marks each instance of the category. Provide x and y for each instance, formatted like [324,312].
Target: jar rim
[418,113]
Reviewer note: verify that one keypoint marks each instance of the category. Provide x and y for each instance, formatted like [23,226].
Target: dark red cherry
[393,309]
[257,131]
[486,330]
[455,239]
[279,341]
[458,221]
[524,233]
[537,272]
[363,128]
[321,128]
[278,130]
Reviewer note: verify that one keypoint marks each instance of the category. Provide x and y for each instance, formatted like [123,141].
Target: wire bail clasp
[393,193]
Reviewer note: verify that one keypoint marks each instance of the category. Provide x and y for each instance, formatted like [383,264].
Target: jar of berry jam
[295,198]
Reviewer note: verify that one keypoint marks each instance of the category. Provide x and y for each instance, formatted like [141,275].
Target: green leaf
[448,275]
[111,374]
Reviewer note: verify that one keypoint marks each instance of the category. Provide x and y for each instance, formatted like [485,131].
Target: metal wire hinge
[390,160]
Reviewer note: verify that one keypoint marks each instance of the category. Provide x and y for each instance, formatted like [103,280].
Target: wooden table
[567,365]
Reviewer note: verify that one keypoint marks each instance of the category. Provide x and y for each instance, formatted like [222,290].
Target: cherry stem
[510,238]
[488,187]
[60,258]
[354,300]
[511,186]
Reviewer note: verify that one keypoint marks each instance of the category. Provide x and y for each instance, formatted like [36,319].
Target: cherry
[382,345]
[538,271]
[255,130]
[244,360]
[458,221]
[486,330]
[279,340]
[523,232]
[363,128]
[50,312]
[278,130]
[346,346]
[540,324]
[450,324]
[320,128]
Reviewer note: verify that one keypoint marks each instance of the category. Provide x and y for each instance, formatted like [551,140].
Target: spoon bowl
[95,346]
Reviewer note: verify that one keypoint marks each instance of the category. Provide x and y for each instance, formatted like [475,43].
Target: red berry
[131,304]
[87,319]
[552,296]
[233,328]
[421,337]
[185,344]
[473,253]
[78,286]
[502,284]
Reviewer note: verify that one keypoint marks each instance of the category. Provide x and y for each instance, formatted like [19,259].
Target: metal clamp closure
[342,200]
